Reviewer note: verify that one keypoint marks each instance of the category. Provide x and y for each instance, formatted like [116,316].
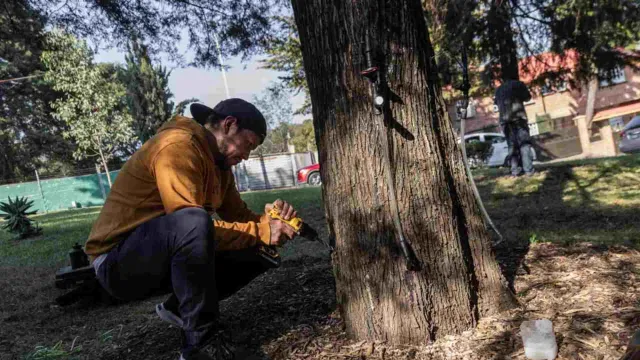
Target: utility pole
[221,61]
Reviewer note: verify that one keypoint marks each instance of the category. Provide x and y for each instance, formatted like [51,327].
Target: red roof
[532,67]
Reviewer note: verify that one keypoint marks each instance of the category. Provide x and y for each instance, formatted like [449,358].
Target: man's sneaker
[217,349]
[169,316]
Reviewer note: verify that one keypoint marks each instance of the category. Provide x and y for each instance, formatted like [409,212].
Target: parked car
[500,153]
[630,136]
[310,175]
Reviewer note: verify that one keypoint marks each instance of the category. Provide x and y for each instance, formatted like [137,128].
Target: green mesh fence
[61,193]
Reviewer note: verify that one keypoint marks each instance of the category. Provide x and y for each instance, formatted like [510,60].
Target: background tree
[30,138]
[504,33]
[304,138]
[458,280]
[598,31]
[180,108]
[285,55]
[242,27]
[276,107]
[500,39]
[93,104]
[483,27]
[455,25]
[148,94]
[277,140]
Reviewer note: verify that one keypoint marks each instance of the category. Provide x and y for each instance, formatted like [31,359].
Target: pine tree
[30,138]
[148,93]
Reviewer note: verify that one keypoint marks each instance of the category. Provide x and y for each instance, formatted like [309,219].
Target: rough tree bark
[459,281]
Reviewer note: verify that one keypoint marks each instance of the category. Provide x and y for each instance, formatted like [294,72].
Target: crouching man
[155,233]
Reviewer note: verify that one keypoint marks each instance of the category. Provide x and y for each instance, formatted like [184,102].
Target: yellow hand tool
[270,253]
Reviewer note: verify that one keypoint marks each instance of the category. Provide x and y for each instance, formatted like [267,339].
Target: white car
[499,155]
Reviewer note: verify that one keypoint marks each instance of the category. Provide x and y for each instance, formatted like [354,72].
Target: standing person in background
[510,98]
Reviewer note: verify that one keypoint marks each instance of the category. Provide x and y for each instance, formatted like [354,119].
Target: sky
[245,80]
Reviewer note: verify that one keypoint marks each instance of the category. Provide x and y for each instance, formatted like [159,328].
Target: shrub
[17,217]
[478,152]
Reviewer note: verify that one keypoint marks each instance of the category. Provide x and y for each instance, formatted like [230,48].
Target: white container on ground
[539,340]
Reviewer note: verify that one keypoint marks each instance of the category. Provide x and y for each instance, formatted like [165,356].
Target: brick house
[556,113]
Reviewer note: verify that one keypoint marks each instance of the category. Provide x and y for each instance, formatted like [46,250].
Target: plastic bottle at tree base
[539,340]
[77,257]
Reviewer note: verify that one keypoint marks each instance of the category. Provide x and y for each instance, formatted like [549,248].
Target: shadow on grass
[565,207]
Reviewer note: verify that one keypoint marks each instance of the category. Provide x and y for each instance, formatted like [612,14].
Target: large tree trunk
[459,281]
[504,47]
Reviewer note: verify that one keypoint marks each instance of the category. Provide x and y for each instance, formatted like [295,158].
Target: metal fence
[65,192]
[271,171]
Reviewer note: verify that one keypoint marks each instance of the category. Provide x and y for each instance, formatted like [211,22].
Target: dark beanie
[249,117]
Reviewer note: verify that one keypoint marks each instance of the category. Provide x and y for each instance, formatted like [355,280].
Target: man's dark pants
[176,253]
[519,142]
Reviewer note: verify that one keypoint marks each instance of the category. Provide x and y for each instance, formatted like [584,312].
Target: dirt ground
[590,292]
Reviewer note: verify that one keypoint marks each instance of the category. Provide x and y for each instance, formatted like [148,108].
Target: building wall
[560,106]
[611,96]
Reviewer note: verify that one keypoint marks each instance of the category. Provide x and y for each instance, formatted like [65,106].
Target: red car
[310,175]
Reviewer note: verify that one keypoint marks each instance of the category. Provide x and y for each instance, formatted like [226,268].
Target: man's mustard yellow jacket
[174,170]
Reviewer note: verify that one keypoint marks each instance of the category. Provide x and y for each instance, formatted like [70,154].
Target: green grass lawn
[590,200]
[595,200]
[60,230]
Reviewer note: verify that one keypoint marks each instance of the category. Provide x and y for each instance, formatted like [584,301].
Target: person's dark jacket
[510,98]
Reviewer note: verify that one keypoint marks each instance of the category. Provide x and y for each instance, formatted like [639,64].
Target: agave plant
[16,216]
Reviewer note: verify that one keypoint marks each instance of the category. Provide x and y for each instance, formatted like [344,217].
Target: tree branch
[531,53]
[527,16]
[20,78]
[186,2]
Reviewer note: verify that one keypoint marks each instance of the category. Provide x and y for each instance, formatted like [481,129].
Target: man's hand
[281,232]
[286,210]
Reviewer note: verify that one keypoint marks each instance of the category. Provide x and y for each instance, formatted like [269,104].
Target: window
[553,87]
[472,139]
[617,77]
[546,90]
[617,123]
[561,86]
[494,139]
